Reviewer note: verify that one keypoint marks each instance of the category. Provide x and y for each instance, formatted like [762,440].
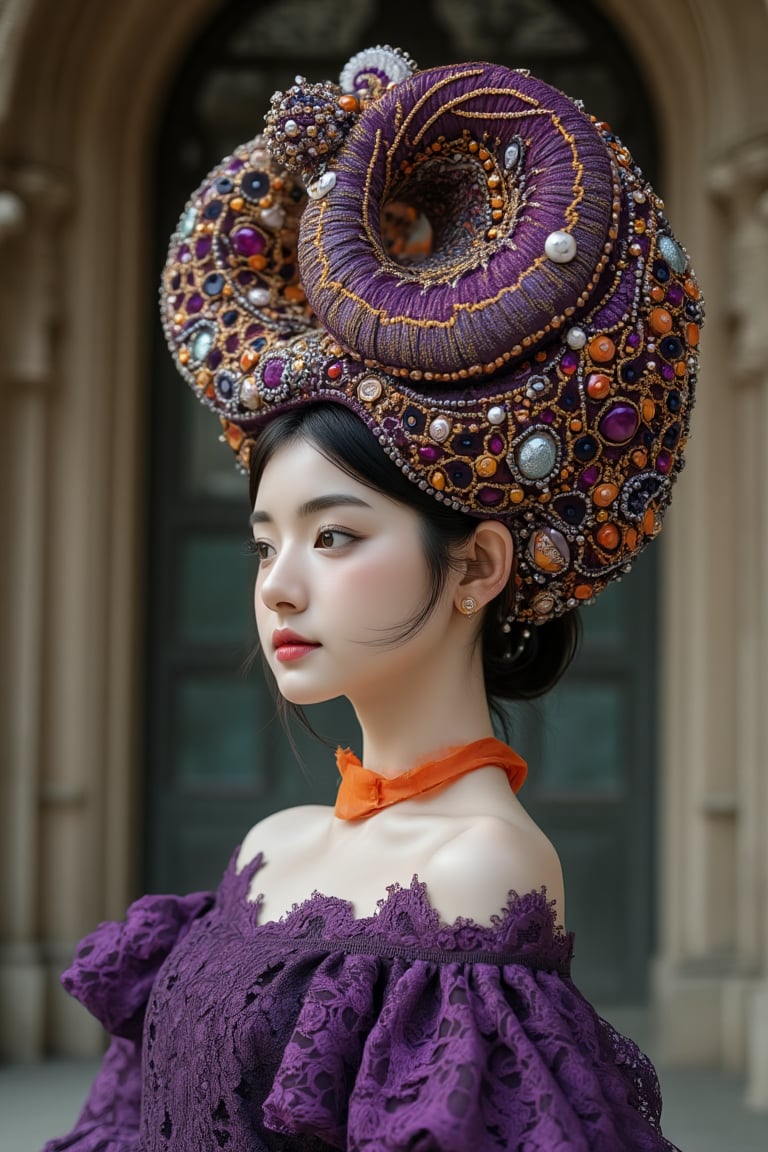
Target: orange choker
[361,793]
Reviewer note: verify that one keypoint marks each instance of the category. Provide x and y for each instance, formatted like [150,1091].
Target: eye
[261,549]
[334,538]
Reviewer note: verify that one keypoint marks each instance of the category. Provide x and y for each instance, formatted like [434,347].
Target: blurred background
[136,751]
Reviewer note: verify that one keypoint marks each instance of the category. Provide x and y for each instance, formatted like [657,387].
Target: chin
[305,694]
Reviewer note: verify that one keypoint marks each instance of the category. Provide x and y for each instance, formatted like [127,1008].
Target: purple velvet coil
[463,308]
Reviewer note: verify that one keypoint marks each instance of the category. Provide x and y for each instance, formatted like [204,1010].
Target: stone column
[31,203]
[711,983]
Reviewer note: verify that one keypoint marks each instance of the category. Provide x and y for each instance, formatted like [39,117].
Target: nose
[282,586]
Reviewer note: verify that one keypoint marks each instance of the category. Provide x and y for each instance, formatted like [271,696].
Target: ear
[489,558]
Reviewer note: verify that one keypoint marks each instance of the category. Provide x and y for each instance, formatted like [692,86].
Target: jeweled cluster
[307,124]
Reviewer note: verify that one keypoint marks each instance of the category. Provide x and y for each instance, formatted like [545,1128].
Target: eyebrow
[319,504]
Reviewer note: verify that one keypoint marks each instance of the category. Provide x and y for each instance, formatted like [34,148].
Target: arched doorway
[216,760]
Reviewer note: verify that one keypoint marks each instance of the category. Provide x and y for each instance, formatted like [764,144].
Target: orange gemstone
[294,292]
[660,321]
[649,522]
[516,495]
[583,591]
[349,103]
[234,435]
[691,289]
[605,495]
[657,293]
[601,349]
[608,537]
[598,386]
[639,458]
[437,480]
[639,227]
[649,410]
[692,334]
[680,368]
[631,538]
[257,262]
[248,359]
[576,425]
[486,466]
[184,355]
[236,203]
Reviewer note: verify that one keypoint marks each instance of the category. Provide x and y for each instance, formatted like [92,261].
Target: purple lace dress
[325,1031]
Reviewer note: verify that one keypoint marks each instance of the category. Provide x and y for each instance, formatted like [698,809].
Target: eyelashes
[328,539]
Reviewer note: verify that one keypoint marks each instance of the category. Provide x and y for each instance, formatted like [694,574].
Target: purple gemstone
[183,252]
[214,358]
[248,242]
[176,281]
[675,295]
[202,247]
[178,300]
[633,339]
[234,166]
[663,462]
[489,496]
[619,424]
[389,423]
[195,303]
[399,437]
[273,374]
[496,445]
[570,360]
[547,416]
[430,453]
[667,371]
[232,343]
[589,476]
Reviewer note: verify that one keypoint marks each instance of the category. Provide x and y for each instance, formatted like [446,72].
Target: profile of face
[342,571]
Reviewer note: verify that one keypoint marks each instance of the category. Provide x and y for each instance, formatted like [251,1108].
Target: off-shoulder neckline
[525,925]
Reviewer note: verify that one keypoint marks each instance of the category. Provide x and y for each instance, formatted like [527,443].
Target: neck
[404,727]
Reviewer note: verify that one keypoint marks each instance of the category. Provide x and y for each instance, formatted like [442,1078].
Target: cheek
[389,583]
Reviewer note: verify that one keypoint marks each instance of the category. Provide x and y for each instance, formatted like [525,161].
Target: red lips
[285,637]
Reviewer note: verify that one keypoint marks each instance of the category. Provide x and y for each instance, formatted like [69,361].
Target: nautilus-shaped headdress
[478,270]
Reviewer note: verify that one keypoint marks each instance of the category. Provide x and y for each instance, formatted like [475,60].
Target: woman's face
[341,570]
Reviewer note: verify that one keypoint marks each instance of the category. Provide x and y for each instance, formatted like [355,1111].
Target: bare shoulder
[294,829]
[475,871]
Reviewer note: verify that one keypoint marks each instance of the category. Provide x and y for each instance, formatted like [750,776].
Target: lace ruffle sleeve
[112,975]
[391,1052]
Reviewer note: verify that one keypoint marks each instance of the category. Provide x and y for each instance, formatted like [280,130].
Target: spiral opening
[435,215]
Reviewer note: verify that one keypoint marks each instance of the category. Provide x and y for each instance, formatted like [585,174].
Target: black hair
[517,665]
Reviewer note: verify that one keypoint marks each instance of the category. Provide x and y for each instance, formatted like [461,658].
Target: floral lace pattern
[324,1030]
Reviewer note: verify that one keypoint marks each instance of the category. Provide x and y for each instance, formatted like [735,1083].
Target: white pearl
[440,429]
[273,217]
[496,415]
[560,247]
[576,338]
[291,128]
[259,296]
[322,186]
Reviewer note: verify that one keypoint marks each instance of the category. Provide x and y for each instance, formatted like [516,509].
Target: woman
[448,454]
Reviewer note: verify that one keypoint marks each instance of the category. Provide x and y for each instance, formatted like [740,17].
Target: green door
[216,759]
